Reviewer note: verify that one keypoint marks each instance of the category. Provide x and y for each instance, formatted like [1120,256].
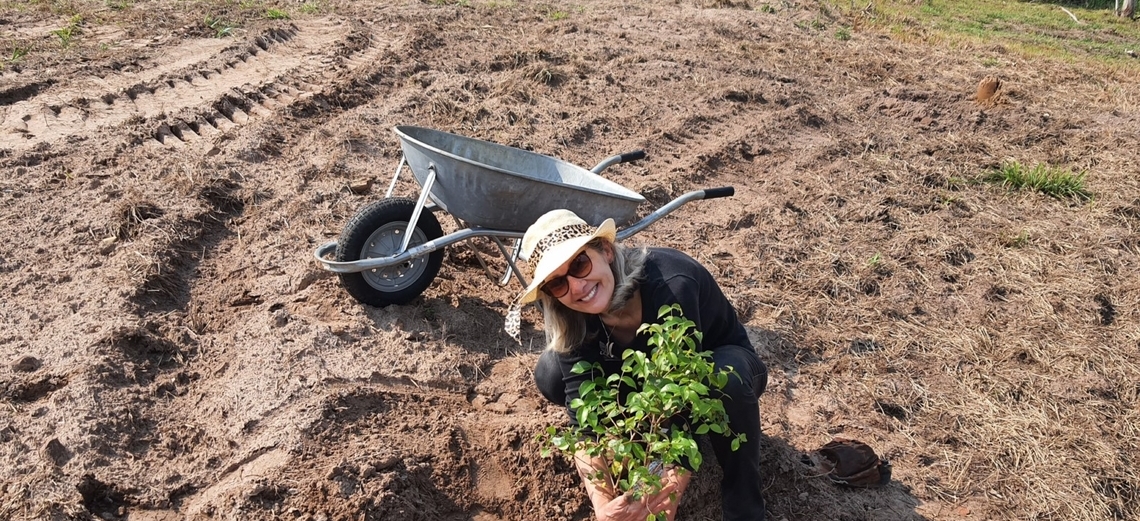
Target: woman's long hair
[566,328]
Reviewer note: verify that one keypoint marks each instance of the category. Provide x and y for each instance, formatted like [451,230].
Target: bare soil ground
[171,350]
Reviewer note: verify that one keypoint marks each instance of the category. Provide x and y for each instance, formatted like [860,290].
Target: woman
[595,294]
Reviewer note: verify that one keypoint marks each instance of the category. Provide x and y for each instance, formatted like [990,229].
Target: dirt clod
[987,89]
[26,364]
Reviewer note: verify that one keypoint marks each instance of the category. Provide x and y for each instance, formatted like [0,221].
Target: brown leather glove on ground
[850,462]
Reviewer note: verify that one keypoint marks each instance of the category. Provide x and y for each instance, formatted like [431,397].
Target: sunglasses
[558,287]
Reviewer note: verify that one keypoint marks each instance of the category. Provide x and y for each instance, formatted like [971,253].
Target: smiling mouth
[590,295]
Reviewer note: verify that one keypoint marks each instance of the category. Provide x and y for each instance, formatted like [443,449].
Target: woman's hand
[622,508]
[673,485]
[610,506]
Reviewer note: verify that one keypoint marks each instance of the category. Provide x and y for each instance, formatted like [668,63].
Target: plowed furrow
[197,95]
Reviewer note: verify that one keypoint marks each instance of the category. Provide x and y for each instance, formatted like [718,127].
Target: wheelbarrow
[392,249]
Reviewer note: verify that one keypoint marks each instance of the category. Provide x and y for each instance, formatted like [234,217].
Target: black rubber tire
[377,230]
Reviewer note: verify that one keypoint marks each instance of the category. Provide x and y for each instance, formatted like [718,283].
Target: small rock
[55,452]
[361,186]
[26,364]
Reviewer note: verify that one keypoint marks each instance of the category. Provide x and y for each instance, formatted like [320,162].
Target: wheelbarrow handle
[620,158]
[708,193]
[714,193]
[632,156]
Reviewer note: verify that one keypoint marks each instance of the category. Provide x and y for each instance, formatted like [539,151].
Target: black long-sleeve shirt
[670,277]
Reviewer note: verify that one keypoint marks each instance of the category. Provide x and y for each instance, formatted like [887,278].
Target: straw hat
[549,243]
[553,240]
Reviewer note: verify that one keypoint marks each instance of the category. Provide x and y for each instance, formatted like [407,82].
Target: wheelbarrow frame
[429,174]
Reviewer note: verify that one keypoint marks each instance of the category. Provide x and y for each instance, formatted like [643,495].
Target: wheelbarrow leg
[511,259]
[418,209]
[474,250]
[400,168]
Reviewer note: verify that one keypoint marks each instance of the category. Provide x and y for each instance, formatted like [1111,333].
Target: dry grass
[985,339]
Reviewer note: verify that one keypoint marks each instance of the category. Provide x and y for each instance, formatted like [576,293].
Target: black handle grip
[632,156]
[724,191]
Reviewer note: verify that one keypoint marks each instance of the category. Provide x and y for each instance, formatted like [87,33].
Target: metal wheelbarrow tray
[391,250]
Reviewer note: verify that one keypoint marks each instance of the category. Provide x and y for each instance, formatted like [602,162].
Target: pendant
[607,349]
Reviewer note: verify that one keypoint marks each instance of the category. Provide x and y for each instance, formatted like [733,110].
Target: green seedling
[18,53]
[640,434]
[67,34]
[220,27]
[276,14]
[1018,241]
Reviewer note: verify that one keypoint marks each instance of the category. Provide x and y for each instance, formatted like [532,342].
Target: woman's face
[592,292]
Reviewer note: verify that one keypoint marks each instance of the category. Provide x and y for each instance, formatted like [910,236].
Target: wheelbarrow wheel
[377,230]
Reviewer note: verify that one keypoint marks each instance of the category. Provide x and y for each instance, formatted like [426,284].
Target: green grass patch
[276,14]
[1034,29]
[499,4]
[311,7]
[1020,240]
[1048,180]
[220,27]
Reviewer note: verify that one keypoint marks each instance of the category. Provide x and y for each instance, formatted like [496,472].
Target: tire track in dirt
[202,92]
